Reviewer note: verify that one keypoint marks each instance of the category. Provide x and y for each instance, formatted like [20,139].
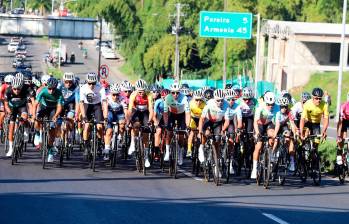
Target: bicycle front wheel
[267,168]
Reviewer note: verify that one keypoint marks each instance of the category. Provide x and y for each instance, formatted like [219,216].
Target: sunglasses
[68,82]
[284,107]
[115,94]
[219,101]
[272,104]
[247,99]
[198,100]
[128,91]
[50,88]
[141,92]
[91,83]
[175,93]
[16,89]
[317,98]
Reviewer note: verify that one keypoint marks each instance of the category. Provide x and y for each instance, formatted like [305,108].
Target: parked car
[17,11]
[103,44]
[18,40]
[109,54]
[12,47]
[21,53]
[24,67]
[21,47]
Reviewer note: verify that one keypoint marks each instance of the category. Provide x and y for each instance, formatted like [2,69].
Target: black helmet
[305,96]
[52,83]
[228,86]
[208,94]
[288,96]
[317,92]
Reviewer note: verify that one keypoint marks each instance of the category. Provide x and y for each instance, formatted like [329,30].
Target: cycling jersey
[70,95]
[195,110]
[50,100]
[264,116]
[92,96]
[247,107]
[116,106]
[140,103]
[234,111]
[178,106]
[344,112]
[159,108]
[3,90]
[20,100]
[314,113]
[284,118]
[213,113]
[297,110]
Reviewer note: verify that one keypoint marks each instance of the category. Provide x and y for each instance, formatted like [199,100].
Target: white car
[21,53]
[109,54]
[12,47]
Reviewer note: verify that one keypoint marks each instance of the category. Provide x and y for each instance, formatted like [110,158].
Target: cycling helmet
[269,98]
[17,82]
[174,87]
[247,93]
[68,76]
[284,102]
[305,96]
[185,86]
[36,82]
[104,83]
[126,86]
[283,92]
[8,78]
[141,85]
[155,88]
[288,96]
[218,94]
[228,86]
[197,94]
[91,77]
[115,88]
[208,94]
[318,92]
[44,79]
[165,92]
[205,88]
[185,91]
[52,83]
[20,75]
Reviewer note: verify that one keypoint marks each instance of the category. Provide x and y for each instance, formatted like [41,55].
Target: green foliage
[55,72]
[328,150]
[147,43]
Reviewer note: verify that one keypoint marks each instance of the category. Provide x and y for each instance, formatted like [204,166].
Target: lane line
[274,218]
[188,174]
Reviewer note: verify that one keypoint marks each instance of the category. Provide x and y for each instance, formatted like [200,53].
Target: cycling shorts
[18,111]
[314,128]
[93,110]
[194,123]
[216,127]
[263,128]
[140,116]
[345,126]
[115,117]
[179,118]
[247,123]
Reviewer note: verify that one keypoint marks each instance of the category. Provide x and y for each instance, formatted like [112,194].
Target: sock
[167,148]
[189,147]
[107,147]
[10,145]
[255,164]
[292,159]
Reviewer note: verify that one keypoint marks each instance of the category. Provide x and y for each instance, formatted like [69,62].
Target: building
[290,52]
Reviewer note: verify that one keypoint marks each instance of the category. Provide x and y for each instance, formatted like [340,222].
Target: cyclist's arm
[339,126]
[130,106]
[187,112]
[165,111]
[255,121]
[225,125]
[150,106]
[325,119]
[239,118]
[105,109]
[58,110]
[201,124]
[7,107]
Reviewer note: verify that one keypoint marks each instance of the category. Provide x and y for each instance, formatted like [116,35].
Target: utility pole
[257,54]
[177,30]
[52,6]
[341,59]
[99,45]
[225,54]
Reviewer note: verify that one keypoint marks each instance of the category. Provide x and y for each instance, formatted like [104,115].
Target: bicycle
[93,145]
[66,146]
[195,153]
[46,127]
[141,154]
[5,132]
[342,166]
[117,145]
[312,157]
[264,163]
[246,151]
[174,148]
[301,164]
[18,143]
[225,159]
[281,160]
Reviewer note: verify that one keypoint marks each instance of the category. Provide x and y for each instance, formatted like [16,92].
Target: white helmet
[198,94]
[36,82]
[45,78]
[185,91]
[283,101]
[20,75]
[8,78]
[17,82]
[91,77]
[269,98]
[175,87]
[68,76]
[218,94]
[141,85]
[247,93]
[205,88]
[231,93]
[126,86]
[115,88]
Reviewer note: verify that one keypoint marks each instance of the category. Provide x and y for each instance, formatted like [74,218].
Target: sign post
[225,25]
[103,71]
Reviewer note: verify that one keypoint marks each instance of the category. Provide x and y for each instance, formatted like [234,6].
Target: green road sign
[226,25]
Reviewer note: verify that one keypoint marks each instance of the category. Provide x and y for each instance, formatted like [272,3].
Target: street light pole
[257,54]
[341,60]
[52,5]
[225,54]
[178,6]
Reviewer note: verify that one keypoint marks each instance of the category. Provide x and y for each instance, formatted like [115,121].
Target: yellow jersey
[313,113]
[195,110]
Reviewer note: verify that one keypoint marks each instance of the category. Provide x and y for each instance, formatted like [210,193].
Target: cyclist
[186,91]
[313,111]
[196,106]
[176,110]
[49,103]
[208,94]
[16,99]
[248,104]
[155,89]
[140,110]
[105,84]
[283,119]
[342,127]
[70,93]
[44,80]
[92,97]
[126,90]
[297,108]
[159,119]
[213,115]
[116,113]
[7,83]
[263,124]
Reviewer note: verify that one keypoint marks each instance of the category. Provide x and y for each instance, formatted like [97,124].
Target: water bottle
[339,160]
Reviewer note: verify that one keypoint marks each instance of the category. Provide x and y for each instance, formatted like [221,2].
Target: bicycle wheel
[302,169]
[215,166]
[267,168]
[61,152]
[113,152]
[15,148]
[139,164]
[282,166]
[225,163]
[316,168]
[142,156]
[94,151]
[195,160]
[44,148]
[342,172]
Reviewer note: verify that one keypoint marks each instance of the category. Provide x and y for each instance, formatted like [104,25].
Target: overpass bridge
[50,26]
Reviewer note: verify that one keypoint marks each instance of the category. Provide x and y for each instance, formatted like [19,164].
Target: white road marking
[274,218]
[190,175]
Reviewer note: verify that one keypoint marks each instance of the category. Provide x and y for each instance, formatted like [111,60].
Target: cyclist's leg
[144,122]
[262,131]
[182,126]
[109,134]
[11,128]
[2,114]
[85,136]
[194,122]
[135,121]
[169,135]
[99,118]
[158,136]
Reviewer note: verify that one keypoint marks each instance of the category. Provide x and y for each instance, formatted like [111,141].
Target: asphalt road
[75,194]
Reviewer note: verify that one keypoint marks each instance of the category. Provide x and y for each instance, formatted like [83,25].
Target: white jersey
[297,110]
[92,96]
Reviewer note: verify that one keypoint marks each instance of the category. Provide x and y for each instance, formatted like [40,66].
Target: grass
[55,72]
[326,81]
[128,71]
[328,152]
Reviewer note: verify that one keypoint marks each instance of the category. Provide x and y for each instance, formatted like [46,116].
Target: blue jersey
[70,95]
[159,107]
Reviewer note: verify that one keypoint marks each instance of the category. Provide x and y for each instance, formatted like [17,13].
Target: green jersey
[50,100]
